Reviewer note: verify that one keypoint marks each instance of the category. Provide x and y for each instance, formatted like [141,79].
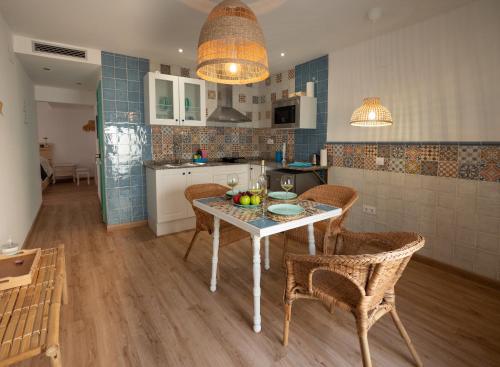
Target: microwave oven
[294,113]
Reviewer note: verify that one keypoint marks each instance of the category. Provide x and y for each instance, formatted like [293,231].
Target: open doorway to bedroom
[67,138]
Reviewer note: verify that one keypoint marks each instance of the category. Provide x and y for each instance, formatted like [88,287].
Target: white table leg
[310,235]
[256,284]
[215,254]
[267,263]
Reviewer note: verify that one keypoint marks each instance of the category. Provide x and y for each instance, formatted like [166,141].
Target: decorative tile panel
[185,72]
[469,171]
[291,74]
[448,168]
[429,168]
[472,161]
[412,152]
[490,172]
[242,98]
[255,100]
[397,165]
[469,154]
[165,69]
[397,151]
[448,152]
[412,166]
[429,153]
[279,78]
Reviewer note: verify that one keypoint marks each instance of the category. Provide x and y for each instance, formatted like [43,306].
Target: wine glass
[287,184]
[255,188]
[232,182]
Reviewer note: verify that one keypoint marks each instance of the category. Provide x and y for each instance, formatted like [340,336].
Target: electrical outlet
[368,209]
[379,161]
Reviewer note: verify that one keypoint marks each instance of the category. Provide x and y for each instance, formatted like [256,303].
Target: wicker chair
[205,222]
[339,196]
[359,278]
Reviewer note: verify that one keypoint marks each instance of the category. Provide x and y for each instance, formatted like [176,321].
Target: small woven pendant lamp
[231,48]
[371,114]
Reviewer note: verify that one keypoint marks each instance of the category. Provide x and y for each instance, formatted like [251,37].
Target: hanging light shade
[371,114]
[231,48]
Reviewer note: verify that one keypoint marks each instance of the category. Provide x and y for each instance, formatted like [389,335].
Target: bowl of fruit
[247,200]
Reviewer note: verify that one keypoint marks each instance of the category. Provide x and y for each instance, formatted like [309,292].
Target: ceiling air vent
[58,50]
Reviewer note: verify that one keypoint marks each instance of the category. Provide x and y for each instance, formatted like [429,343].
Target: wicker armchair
[360,279]
[205,222]
[339,196]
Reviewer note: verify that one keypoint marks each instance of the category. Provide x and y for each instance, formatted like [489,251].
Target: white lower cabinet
[168,209]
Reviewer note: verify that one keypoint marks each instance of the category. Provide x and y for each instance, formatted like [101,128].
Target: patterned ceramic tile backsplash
[466,161]
[127,139]
[173,142]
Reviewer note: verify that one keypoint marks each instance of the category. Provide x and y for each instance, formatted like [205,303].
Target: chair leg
[286,327]
[406,337]
[191,244]
[363,340]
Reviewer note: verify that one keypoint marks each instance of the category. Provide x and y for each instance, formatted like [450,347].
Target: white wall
[20,190]
[62,124]
[440,78]
[460,219]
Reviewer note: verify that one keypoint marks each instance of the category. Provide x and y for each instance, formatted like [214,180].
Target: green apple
[245,200]
[255,200]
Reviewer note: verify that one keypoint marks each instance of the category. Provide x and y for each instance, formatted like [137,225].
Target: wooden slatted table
[29,315]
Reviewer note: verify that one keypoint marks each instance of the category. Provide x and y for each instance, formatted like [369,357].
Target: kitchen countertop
[159,165]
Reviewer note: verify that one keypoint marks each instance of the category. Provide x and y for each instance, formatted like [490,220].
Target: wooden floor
[134,302]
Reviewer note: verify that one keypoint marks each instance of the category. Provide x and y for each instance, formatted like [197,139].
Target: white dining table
[259,226]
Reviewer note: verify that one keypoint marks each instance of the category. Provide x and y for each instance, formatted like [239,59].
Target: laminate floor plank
[133,301]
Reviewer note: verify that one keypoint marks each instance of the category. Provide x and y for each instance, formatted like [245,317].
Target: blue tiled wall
[309,141]
[127,138]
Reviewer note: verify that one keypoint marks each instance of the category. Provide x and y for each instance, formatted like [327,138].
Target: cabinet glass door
[192,101]
[164,92]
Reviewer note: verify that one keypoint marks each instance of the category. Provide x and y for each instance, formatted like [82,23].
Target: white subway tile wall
[460,219]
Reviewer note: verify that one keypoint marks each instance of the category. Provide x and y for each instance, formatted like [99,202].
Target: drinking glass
[232,182]
[287,184]
[255,188]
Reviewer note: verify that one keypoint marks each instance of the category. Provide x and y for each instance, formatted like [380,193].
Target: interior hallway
[134,302]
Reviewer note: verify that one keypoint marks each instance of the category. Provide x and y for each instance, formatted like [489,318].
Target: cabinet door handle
[176,120]
[189,173]
[183,173]
[182,120]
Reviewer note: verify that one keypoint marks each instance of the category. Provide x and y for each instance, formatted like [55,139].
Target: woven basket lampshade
[231,48]
[371,114]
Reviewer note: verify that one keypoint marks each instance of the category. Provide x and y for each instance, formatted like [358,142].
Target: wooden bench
[29,315]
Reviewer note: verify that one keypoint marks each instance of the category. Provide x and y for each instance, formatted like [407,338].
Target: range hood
[225,111]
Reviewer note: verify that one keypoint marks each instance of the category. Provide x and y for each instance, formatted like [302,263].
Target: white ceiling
[156,29]
[62,73]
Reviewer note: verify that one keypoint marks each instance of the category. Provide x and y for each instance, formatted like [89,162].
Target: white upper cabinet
[173,100]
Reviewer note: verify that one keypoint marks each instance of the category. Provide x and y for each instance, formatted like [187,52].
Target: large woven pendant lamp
[231,48]
[372,113]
